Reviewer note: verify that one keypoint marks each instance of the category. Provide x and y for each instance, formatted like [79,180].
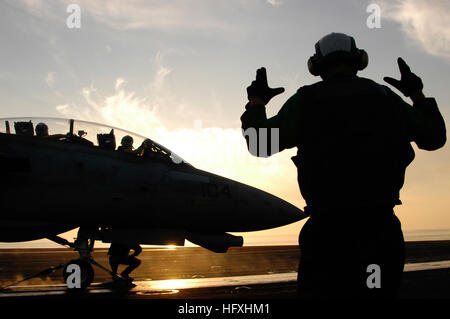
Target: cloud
[162,72]
[426,23]
[275,3]
[122,109]
[119,83]
[140,14]
[50,79]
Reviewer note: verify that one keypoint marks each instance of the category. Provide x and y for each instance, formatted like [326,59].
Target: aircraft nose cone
[289,213]
[271,211]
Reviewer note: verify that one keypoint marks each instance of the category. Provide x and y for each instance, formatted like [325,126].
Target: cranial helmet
[41,129]
[334,48]
[127,141]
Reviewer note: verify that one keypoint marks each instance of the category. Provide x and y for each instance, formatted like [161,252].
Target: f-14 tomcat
[76,178]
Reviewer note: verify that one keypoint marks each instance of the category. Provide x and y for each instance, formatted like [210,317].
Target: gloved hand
[409,84]
[260,88]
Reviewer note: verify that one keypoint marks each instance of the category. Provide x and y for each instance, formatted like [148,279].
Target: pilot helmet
[147,142]
[41,129]
[127,142]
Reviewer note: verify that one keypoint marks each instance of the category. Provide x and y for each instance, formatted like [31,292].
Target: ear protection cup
[312,65]
[318,62]
[314,61]
[363,60]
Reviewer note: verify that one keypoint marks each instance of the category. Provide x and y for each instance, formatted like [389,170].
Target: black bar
[71,127]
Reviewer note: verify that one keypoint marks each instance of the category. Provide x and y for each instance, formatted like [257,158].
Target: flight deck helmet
[334,48]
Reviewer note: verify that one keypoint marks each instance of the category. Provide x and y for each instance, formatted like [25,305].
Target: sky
[177,72]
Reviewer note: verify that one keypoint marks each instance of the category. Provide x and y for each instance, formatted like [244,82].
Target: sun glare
[169,284]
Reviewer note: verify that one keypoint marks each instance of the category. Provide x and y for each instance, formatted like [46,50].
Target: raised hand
[260,89]
[409,83]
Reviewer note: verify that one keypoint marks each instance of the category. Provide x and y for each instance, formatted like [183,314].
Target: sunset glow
[177,72]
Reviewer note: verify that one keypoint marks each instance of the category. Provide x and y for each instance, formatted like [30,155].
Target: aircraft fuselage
[48,187]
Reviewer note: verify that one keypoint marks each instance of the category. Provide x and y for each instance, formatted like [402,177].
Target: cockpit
[89,134]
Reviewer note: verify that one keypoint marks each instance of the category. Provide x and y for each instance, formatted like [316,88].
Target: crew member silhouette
[41,130]
[353,137]
[126,144]
[119,254]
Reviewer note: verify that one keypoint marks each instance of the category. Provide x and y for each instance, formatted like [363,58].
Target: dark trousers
[131,261]
[351,254]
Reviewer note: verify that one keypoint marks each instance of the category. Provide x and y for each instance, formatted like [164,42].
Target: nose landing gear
[78,274]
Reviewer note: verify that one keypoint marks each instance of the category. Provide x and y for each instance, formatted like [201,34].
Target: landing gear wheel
[78,278]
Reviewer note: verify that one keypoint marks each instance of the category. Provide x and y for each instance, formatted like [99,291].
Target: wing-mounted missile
[219,243]
[216,242]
